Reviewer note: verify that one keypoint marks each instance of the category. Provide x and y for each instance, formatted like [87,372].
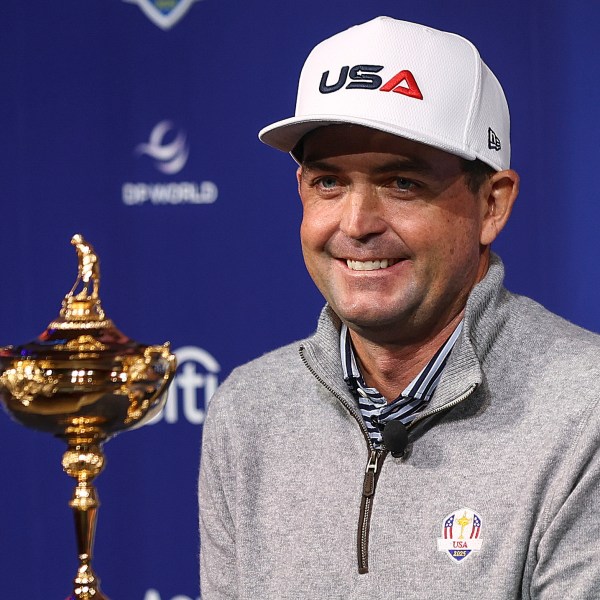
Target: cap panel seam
[475,100]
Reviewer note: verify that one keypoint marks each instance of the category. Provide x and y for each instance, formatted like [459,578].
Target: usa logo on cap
[461,534]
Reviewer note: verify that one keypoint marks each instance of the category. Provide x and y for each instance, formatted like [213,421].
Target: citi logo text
[364,77]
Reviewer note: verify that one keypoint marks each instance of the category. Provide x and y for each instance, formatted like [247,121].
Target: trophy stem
[84,460]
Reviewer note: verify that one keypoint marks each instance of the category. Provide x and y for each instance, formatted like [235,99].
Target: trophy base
[86,585]
[88,594]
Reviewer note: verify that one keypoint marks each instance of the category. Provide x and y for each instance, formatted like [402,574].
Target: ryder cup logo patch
[461,534]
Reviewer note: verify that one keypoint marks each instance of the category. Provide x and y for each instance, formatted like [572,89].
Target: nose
[362,214]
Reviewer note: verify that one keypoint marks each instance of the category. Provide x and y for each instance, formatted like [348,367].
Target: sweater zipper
[372,471]
[374,465]
[376,458]
[447,406]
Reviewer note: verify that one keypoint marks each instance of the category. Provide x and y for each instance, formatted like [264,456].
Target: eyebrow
[319,165]
[413,165]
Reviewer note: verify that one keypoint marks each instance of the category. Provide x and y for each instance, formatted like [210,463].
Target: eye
[327,182]
[404,184]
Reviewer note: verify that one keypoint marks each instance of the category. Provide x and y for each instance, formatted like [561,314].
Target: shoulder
[506,322]
[538,328]
[545,356]
[522,346]
[253,384]
[274,363]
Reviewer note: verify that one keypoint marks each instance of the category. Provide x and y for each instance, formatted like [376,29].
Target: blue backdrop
[134,123]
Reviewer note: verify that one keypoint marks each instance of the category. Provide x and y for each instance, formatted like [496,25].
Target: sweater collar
[484,316]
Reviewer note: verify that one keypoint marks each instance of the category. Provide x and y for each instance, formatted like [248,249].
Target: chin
[368,319]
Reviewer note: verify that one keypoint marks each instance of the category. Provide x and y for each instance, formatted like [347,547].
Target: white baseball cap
[405,79]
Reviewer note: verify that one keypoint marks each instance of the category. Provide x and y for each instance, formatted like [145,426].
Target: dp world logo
[170,152]
[164,13]
[191,390]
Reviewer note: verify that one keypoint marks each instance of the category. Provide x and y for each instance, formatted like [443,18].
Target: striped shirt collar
[375,409]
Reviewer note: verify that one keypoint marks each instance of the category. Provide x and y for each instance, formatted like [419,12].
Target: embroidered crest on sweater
[461,534]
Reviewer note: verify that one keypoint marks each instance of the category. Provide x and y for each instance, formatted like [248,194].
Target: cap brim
[284,135]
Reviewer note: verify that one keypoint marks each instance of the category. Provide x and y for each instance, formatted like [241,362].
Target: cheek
[308,233]
[451,241]
[317,226]
[312,244]
[461,251]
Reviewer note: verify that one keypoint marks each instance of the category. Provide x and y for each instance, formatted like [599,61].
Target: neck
[391,367]
[389,364]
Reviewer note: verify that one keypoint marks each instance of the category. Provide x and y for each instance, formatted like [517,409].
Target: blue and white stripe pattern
[375,409]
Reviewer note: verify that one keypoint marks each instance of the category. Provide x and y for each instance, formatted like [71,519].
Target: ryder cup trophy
[84,381]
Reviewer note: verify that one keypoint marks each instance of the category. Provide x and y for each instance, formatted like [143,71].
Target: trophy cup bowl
[84,381]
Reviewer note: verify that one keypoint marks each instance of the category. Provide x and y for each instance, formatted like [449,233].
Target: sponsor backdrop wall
[134,123]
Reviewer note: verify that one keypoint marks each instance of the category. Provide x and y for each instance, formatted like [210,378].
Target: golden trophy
[84,381]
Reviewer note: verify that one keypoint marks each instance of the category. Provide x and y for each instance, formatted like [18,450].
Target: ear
[500,194]
[299,174]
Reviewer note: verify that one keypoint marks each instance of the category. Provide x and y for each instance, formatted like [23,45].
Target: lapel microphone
[395,438]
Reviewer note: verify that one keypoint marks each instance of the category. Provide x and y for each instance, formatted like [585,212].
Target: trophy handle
[164,352]
[157,366]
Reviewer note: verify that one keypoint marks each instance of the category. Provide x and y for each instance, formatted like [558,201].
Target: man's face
[390,233]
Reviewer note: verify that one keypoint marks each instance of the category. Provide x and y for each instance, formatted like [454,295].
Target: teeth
[370,265]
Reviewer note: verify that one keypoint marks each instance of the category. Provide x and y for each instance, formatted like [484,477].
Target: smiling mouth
[370,265]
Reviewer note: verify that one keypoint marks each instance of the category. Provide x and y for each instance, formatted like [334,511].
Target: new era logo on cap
[493,140]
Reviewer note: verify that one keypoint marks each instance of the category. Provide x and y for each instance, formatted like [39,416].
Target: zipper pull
[370,473]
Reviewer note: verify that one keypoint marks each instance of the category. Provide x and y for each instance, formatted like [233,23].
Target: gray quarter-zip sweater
[498,497]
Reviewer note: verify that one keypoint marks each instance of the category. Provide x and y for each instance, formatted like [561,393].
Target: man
[437,437]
